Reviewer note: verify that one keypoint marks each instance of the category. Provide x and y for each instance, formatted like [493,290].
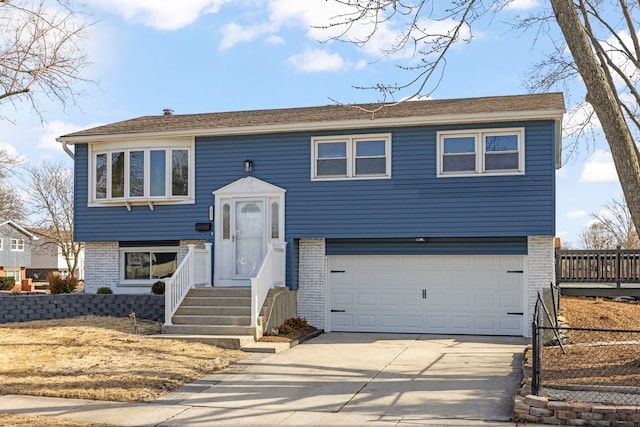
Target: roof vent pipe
[168,112]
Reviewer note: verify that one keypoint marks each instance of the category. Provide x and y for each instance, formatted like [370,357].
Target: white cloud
[56,128]
[522,4]
[575,214]
[599,168]
[317,60]
[273,39]
[12,152]
[160,14]
[233,34]
[579,117]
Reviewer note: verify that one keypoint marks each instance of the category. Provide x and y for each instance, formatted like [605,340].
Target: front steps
[217,316]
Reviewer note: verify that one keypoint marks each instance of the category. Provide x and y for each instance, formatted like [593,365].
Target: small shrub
[158,288]
[104,290]
[7,283]
[285,329]
[58,285]
[298,323]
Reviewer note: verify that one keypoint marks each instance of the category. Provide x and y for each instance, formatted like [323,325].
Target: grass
[101,358]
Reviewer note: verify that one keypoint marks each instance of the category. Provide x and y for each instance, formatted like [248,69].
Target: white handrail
[271,274]
[195,269]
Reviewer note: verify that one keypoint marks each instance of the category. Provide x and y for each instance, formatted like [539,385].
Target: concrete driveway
[355,379]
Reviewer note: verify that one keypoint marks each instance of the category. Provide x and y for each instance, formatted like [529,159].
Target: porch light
[421,239]
[248,166]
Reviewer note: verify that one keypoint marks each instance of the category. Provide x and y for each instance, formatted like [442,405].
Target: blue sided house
[433,216]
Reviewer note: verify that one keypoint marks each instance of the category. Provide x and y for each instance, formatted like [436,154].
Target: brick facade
[312,293]
[540,271]
[101,261]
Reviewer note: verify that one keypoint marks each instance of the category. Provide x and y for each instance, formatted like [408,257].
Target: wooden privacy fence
[598,266]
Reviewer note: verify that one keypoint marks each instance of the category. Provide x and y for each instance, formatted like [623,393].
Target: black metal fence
[598,266]
[584,364]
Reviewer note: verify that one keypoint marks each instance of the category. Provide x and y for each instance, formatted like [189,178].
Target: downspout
[66,148]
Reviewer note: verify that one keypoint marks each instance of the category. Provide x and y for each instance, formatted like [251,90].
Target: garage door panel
[366,320]
[464,294]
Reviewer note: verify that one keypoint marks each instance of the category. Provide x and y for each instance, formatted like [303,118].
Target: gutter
[66,148]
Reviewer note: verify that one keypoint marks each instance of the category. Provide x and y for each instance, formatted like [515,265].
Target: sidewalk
[153,414]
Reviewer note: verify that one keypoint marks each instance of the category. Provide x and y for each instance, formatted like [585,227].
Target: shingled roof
[516,106]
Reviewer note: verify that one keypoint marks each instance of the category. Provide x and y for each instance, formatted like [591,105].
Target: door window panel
[249,237]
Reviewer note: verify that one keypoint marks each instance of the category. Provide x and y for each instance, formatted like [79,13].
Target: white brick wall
[540,272]
[102,266]
[312,291]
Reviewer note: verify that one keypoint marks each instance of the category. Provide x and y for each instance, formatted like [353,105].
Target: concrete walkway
[335,379]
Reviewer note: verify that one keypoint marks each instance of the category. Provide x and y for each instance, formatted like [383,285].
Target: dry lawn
[31,421]
[101,358]
[596,358]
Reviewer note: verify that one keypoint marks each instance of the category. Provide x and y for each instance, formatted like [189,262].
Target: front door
[249,216]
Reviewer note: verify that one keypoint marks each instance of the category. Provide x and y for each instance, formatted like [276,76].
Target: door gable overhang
[249,186]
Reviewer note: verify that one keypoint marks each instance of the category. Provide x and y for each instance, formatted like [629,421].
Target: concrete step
[208,330]
[217,301]
[212,320]
[233,342]
[221,292]
[185,310]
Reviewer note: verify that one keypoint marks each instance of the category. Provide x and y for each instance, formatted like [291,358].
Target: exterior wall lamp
[248,166]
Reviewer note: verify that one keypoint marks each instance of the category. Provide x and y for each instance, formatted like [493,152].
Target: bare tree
[616,223]
[51,197]
[40,51]
[599,45]
[595,237]
[12,205]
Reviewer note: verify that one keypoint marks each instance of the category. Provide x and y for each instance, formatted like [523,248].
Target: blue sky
[224,55]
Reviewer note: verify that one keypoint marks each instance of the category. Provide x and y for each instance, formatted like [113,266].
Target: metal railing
[598,266]
[271,274]
[194,270]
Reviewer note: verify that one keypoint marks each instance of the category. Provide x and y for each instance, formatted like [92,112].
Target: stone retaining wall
[23,308]
[539,409]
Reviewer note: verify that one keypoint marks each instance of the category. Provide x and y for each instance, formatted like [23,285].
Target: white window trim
[351,156]
[146,146]
[1,243]
[143,282]
[17,245]
[479,135]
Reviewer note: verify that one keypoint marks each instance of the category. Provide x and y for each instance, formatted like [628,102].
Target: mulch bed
[288,337]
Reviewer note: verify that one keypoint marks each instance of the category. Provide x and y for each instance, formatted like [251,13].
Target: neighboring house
[15,250]
[46,256]
[431,216]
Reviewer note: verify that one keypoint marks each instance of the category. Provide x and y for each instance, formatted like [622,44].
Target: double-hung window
[486,152]
[351,157]
[17,245]
[159,172]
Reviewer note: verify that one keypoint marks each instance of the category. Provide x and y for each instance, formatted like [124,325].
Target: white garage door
[427,294]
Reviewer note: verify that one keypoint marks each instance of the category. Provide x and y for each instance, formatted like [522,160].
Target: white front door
[249,216]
